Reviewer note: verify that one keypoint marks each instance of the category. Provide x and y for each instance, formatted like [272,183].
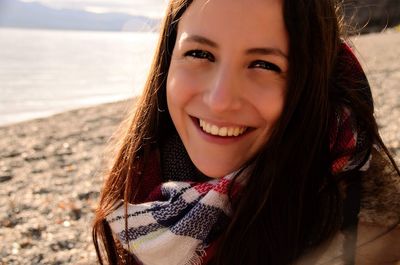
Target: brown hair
[291,203]
[141,132]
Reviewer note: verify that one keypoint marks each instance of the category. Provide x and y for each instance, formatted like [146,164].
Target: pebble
[37,259]
[62,245]
[5,177]
[12,154]
[87,195]
[10,222]
[33,157]
[75,214]
[35,232]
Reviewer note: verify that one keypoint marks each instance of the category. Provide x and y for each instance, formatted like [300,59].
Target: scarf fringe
[197,258]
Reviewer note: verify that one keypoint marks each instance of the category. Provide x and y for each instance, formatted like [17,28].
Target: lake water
[43,72]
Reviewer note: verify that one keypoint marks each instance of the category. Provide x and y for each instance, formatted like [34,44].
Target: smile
[226,131]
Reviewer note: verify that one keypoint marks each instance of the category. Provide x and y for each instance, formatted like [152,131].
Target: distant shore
[50,168]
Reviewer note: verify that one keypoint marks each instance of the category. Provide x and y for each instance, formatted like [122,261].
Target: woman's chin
[215,173]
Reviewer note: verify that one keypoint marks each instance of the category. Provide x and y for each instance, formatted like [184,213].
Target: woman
[249,145]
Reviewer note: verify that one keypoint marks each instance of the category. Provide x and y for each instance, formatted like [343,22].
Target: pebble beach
[51,168]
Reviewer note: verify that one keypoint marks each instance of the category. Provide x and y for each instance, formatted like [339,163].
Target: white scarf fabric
[177,228]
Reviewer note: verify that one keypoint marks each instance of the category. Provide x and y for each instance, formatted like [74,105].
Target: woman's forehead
[248,21]
[238,8]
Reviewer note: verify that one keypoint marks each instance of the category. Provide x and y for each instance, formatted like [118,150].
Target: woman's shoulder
[380,192]
[379,218]
[377,235]
[374,246]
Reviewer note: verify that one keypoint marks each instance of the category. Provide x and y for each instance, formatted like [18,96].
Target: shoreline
[51,167]
[50,113]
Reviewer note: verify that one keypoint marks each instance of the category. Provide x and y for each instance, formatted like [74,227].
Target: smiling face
[227,80]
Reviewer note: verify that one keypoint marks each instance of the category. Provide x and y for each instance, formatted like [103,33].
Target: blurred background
[61,54]
[367,16]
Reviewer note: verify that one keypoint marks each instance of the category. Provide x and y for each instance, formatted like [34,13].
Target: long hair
[139,134]
[291,202]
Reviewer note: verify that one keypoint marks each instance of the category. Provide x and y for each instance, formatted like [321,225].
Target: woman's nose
[223,93]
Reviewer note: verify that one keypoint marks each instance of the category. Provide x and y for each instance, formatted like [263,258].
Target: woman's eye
[265,65]
[199,54]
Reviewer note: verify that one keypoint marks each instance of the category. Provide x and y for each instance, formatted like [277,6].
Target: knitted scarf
[184,215]
[179,226]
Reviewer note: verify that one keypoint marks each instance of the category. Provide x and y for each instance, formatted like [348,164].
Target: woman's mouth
[223,131]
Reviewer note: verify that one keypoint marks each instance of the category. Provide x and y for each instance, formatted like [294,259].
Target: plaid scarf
[348,144]
[178,225]
[180,221]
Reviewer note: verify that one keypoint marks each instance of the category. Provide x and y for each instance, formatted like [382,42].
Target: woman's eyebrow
[199,39]
[260,51]
[267,51]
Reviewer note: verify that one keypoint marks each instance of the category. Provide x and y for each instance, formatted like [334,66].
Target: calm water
[43,72]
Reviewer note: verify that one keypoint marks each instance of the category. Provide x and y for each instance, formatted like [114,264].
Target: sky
[150,8]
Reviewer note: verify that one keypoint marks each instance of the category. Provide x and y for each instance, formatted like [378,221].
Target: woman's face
[227,80]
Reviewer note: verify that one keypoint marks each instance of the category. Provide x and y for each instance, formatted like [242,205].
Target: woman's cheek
[266,84]
[266,92]
[191,78]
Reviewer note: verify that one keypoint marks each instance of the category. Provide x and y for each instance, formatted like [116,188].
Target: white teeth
[221,131]
[214,130]
[236,131]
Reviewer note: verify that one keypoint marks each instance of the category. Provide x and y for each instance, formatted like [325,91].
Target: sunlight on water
[45,71]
